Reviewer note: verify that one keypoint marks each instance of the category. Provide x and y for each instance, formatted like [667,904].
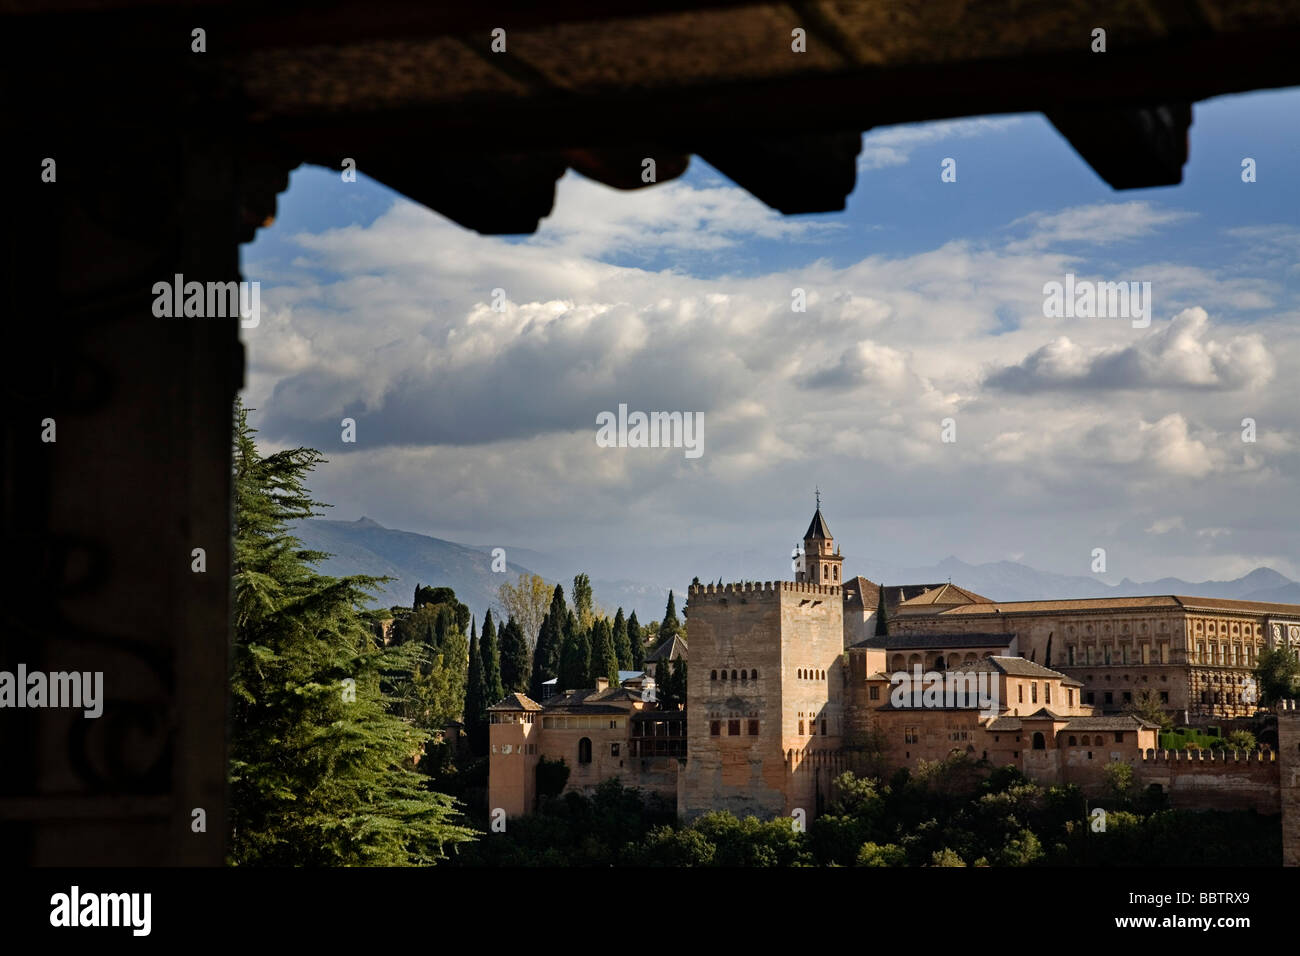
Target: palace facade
[789,684]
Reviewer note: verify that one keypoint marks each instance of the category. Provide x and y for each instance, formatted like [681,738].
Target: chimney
[602,683]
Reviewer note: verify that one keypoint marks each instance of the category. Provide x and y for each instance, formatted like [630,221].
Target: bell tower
[822,562]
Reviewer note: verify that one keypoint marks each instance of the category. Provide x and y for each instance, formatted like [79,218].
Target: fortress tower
[765,689]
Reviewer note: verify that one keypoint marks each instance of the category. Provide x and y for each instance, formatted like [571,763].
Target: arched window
[713,675]
[1074,741]
[799,673]
[743,675]
[938,663]
[724,676]
[897,663]
[823,675]
[753,675]
[1039,742]
[584,750]
[733,675]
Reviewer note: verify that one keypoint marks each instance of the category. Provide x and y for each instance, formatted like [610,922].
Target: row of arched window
[722,675]
[806,673]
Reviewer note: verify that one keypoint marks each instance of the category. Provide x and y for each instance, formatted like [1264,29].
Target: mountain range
[367,547]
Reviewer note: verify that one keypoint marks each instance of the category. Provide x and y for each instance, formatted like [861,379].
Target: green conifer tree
[622,645]
[490,654]
[665,685]
[476,697]
[575,662]
[321,773]
[637,640]
[882,615]
[669,626]
[582,601]
[604,659]
[516,665]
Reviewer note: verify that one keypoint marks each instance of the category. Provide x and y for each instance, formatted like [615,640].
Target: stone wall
[732,628]
[1288,752]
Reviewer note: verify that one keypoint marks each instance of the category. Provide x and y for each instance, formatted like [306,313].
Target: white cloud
[1097,223]
[490,416]
[894,145]
[1180,355]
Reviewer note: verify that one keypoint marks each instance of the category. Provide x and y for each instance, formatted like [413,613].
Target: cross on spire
[818,492]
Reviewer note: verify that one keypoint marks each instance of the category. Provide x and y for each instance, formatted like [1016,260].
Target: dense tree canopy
[321,770]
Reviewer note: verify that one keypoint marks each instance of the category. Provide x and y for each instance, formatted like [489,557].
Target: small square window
[875,693]
[753,728]
[733,728]
[715,728]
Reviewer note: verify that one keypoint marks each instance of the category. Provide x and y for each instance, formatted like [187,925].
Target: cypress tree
[637,640]
[882,616]
[604,659]
[582,601]
[679,682]
[669,626]
[542,652]
[516,665]
[575,662]
[622,646]
[665,685]
[493,690]
[321,772]
[546,656]
[475,705]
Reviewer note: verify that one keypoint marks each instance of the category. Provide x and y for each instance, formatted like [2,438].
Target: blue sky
[924,300]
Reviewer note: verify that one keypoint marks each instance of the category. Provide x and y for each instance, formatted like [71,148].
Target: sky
[924,302]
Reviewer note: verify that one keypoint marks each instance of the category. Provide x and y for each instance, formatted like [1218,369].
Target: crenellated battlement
[703,593]
[1218,758]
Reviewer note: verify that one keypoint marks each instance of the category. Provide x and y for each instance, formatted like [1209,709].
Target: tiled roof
[1148,602]
[589,709]
[1042,713]
[1115,722]
[672,649]
[1003,723]
[817,528]
[866,593]
[910,641]
[947,593]
[1015,667]
[516,702]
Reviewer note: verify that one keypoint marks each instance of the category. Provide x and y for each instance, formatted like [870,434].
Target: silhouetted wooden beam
[791,173]
[1130,148]
[494,195]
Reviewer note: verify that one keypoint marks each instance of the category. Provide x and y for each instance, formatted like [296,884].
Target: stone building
[1195,654]
[789,686]
[599,733]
